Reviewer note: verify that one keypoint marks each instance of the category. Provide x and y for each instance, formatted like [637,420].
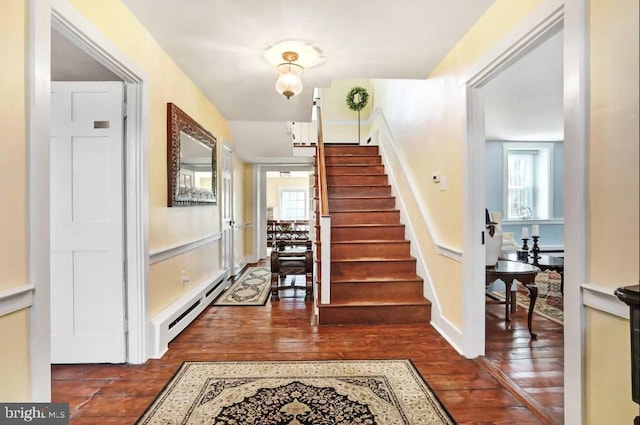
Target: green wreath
[363,98]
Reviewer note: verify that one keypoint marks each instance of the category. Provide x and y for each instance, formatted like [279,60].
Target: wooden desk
[507,271]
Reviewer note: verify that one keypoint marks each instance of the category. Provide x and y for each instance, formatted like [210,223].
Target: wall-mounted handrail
[322,168]
[325,218]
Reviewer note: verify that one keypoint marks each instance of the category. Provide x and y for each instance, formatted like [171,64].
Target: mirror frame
[178,121]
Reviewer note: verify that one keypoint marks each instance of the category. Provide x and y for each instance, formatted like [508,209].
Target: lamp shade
[289,83]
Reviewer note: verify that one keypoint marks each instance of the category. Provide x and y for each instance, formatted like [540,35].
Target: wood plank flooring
[473,391]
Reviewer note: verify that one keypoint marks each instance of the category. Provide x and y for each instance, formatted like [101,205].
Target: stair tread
[352,154]
[367,225]
[367,211]
[407,302]
[356,175]
[374,284]
[369,259]
[386,279]
[358,185]
[354,197]
[366,241]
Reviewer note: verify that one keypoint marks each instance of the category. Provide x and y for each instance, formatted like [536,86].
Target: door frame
[259,184]
[545,20]
[228,227]
[59,15]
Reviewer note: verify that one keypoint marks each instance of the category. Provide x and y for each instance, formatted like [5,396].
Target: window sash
[293,204]
[528,181]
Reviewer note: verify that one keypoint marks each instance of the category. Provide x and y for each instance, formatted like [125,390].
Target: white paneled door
[228,223]
[87,227]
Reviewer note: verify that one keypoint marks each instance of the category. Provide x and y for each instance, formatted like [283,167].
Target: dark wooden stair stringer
[373,275]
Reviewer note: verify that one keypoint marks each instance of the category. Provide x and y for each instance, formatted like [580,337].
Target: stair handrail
[322,168]
[325,218]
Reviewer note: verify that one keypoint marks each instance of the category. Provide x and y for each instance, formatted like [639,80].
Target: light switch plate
[443,183]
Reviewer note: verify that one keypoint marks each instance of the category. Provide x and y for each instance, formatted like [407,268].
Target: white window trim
[527,146]
[294,189]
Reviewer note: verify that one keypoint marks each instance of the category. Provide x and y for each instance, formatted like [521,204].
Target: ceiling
[219,44]
[525,101]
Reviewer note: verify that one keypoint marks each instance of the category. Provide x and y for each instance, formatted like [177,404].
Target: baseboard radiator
[167,324]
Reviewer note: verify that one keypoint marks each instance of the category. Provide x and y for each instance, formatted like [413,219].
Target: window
[528,177]
[293,204]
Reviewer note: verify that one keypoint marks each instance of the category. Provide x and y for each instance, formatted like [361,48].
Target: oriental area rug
[351,392]
[550,300]
[252,288]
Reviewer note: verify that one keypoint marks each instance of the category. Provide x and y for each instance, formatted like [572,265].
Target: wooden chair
[288,259]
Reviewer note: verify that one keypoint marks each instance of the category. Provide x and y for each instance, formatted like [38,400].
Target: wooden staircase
[373,275]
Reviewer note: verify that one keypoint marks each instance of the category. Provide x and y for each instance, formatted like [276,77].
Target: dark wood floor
[474,391]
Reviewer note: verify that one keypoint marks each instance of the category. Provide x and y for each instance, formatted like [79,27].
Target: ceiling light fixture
[289,83]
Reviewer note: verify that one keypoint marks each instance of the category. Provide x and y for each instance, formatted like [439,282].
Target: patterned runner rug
[304,392]
[252,288]
[550,300]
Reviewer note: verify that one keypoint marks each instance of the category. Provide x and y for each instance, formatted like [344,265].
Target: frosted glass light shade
[289,83]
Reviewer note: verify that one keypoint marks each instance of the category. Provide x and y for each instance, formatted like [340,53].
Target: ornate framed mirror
[191,161]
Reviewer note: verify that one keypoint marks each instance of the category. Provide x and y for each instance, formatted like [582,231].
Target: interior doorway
[524,195]
[266,194]
[289,206]
[538,26]
[76,49]
[524,160]
[227,206]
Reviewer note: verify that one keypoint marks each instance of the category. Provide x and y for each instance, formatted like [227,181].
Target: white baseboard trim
[164,253]
[448,332]
[239,267]
[602,298]
[167,324]
[15,299]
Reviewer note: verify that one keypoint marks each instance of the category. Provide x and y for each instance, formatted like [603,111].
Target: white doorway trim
[549,17]
[58,14]
[259,179]
[74,26]
[227,218]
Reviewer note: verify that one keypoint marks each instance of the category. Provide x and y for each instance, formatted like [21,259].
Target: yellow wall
[167,275]
[14,357]
[167,83]
[608,366]
[613,200]
[241,219]
[13,170]
[334,104]
[249,206]
[428,122]
[276,184]
[14,327]
[340,122]
[613,153]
